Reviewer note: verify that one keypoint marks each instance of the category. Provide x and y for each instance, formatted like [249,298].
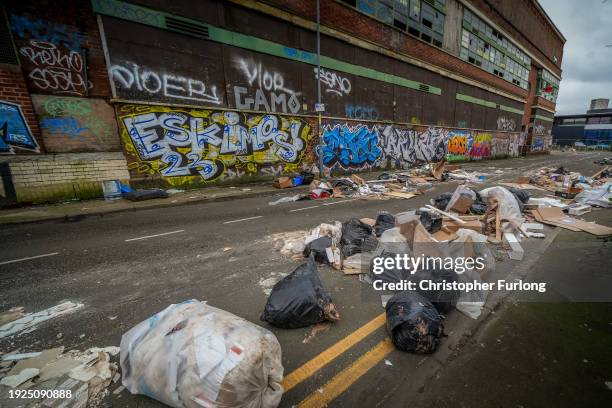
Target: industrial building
[183,93]
[592,129]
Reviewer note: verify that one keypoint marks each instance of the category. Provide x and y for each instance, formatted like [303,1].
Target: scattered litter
[173,191]
[285,200]
[29,322]
[316,329]
[387,362]
[193,354]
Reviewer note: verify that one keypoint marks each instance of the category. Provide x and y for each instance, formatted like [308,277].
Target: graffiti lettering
[406,147]
[481,146]
[350,146]
[91,122]
[361,112]
[14,130]
[271,93]
[539,129]
[68,126]
[131,76]
[333,82]
[55,70]
[507,124]
[195,145]
[458,145]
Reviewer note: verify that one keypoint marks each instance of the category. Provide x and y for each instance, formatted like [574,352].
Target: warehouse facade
[186,94]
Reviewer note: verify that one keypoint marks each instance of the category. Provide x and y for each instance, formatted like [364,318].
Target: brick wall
[70,27]
[13,89]
[63,176]
[342,17]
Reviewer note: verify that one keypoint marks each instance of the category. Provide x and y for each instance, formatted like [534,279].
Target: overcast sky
[587,62]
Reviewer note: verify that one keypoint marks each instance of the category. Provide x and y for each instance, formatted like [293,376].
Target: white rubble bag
[509,208]
[195,355]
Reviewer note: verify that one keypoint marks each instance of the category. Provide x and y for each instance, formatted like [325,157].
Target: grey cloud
[587,62]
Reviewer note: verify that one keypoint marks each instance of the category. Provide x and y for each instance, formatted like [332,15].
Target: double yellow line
[344,379]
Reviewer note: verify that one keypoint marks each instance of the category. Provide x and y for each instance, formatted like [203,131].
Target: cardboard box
[282,182]
[462,204]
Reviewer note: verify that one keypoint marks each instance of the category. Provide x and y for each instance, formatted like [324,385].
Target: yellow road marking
[345,378]
[309,368]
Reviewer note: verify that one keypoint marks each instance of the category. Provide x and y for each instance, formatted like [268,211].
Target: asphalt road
[125,267]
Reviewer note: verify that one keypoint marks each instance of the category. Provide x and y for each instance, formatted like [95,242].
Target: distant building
[593,128]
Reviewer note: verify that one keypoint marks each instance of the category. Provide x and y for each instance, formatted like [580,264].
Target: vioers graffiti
[350,147]
[187,146]
[272,94]
[133,77]
[14,130]
[334,83]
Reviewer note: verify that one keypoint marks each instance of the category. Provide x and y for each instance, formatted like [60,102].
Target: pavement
[125,266]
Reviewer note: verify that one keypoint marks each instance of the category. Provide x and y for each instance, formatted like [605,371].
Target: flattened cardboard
[282,182]
[453,226]
[554,216]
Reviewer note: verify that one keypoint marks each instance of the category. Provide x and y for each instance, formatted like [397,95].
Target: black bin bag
[299,300]
[356,237]
[414,323]
[318,248]
[384,222]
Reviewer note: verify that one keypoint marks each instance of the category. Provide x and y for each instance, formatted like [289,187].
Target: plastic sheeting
[195,355]
[597,196]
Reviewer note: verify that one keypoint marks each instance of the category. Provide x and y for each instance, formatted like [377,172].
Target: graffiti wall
[190,146]
[355,147]
[71,124]
[14,130]
[51,56]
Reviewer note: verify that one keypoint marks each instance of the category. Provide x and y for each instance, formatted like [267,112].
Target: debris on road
[82,376]
[192,354]
[300,300]
[28,322]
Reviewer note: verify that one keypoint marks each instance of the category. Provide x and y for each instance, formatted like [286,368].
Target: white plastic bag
[598,196]
[509,208]
[195,355]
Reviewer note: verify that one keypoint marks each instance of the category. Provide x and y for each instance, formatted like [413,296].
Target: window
[593,120]
[605,120]
[484,46]
[548,85]
[421,18]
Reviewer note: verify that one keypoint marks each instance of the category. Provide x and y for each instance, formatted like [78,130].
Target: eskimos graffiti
[14,130]
[192,146]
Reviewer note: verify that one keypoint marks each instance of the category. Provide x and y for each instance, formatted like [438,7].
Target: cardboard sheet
[554,216]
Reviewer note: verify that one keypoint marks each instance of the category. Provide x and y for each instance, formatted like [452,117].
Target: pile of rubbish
[54,378]
[402,184]
[194,355]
